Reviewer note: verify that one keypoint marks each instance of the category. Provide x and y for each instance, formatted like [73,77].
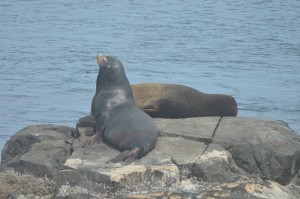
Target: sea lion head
[108,62]
[111,69]
[226,105]
[112,77]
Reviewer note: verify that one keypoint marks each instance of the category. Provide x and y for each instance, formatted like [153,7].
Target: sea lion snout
[100,58]
[102,61]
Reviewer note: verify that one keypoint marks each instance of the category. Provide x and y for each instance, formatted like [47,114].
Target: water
[247,49]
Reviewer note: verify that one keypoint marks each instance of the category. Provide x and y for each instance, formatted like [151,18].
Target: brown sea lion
[118,121]
[178,101]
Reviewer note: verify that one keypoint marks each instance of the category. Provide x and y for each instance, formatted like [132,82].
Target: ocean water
[247,49]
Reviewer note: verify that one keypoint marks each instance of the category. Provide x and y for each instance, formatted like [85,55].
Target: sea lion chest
[107,100]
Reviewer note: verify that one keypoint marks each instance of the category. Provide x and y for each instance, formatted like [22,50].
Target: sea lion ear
[100,58]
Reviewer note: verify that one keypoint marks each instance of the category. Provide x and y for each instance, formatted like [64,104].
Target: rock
[236,190]
[177,148]
[217,165]
[210,163]
[40,150]
[265,148]
[260,147]
[194,158]
[16,185]
[155,170]
[198,129]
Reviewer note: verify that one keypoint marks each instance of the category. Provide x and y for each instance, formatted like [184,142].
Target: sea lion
[179,101]
[118,121]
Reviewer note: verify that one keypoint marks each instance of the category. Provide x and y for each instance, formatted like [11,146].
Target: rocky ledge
[207,157]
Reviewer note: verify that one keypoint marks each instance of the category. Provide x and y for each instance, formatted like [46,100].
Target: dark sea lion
[118,121]
[178,101]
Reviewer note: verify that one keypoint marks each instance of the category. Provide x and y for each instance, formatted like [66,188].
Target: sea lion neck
[111,79]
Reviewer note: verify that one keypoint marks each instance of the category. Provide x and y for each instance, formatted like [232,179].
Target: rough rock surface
[268,149]
[40,149]
[229,157]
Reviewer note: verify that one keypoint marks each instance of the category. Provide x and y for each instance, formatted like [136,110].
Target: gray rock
[209,163]
[89,165]
[236,190]
[40,150]
[260,147]
[198,129]
[264,148]
[183,152]
[194,158]
[217,165]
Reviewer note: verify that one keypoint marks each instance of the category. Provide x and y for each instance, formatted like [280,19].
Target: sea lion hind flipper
[128,156]
[155,106]
[120,157]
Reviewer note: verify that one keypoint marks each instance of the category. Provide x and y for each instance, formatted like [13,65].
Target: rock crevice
[212,137]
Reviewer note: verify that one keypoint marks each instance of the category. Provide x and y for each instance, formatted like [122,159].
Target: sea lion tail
[128,156]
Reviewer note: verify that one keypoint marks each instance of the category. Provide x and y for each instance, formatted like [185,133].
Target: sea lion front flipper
[156,107]
[151,108]
[87,121]
[84,122]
